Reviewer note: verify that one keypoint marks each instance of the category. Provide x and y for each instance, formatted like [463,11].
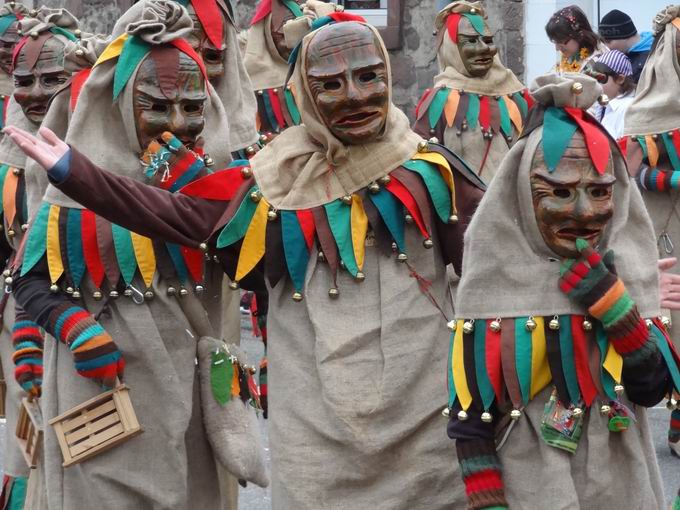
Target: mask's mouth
[573,233]
[358,118]
[39,110]
[482,61]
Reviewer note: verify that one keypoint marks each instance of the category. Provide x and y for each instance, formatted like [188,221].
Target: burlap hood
[499,81]
[306,165]
[104,129]
[656,108]
[18,10]
[508,271]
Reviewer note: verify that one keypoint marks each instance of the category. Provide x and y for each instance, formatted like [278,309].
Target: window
[384,14]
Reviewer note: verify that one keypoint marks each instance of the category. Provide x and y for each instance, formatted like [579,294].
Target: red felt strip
[261,11]
[623,145]
[596,139]
[22,42]
[211,18]
[276,106]
[675,137]
[77,83]
[183,46]
[402,193]
[221,185]
[306,220]
[90,247]
[422,100]
[585,381]
[484,113]
[340,17]
[527,97]
[452,26]
[493,360]
[193,258]
[178,170]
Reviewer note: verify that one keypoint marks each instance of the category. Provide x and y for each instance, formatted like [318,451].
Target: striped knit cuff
[27,339]
[481,470]
[674,429]
[652,179]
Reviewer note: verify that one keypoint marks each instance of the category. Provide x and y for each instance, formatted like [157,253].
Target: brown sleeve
[146,210]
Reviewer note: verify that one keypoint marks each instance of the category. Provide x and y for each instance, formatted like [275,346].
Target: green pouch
[561,427]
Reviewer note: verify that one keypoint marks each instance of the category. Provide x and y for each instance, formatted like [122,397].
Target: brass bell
[11,232]
[605,409]
[342,264]
[69,290]
[446,412]
[275,91]
[576,88]
[515,414]
[587,325]
[577,411]
[6,272]
[246,172]
[208,161]
[12,4]
[77,32]
[473,11]
[671,404]
[434,139]
[127,293]
[54,288]
[260,92]
[250,150]
[666,322]
[408,218]
[452,325]
[33,13]
[24,227]
[20,32]
[655,136]
[385,180]
[374,187]
[428,243]
[530,324]
[171,291]
[263,138]
[255,196]
[333,292]
[183,292]
[462,415]
[402,257]
[486,417]
[113,294]
[148,294]
[34,34]
[203,247]
[320,256]
[76,294]
[618,389]
[297,297]
[423,146]
[272,215]
[649,323]
[394,246]
[495,326]
[9,280]
[97,295]
[554,324]
[468,327]
[603,100]
[453,219]
[198,289]
[347,199]
[360,276]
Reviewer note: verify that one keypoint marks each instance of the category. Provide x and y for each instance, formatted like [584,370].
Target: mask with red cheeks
[212,57]
[476,51]
[280,16]
[572,202]
[37,80]
[8,41]
[168,95]
[347,76]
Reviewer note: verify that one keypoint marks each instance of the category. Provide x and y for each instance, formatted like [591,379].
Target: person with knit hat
[349,215]
[477,106]
[619,33]
[558,347]
[613,72]
[652,142]
[146,81]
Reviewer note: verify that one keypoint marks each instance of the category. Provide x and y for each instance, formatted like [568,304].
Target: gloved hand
[173,165]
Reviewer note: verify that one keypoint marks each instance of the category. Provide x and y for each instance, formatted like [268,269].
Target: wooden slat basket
[93,427]
[30,431]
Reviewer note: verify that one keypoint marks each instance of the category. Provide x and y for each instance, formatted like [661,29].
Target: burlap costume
[17,10]
[477,117]
[171,465]
[509,272]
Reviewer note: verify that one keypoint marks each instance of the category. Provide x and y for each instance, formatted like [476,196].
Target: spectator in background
[570,31]
[613,71]
[619,33]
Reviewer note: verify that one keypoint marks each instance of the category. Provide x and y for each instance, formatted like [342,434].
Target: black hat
[616,25]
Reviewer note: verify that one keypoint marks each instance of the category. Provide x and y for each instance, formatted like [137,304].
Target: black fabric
[616,25]
[637,60]
[647,383]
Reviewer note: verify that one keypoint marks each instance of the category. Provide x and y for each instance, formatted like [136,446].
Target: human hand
[669,284]
[45,152]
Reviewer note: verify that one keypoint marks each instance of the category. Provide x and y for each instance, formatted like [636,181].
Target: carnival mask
[279,17]
[212,57]
[36,81]
[347,75]
[8,41]
[169,94]
[476,51]
[572,202]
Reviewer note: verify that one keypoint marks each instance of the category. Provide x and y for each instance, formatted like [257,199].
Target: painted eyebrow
[163,99]
[608,181]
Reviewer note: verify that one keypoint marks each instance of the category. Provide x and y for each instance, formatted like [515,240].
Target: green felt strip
[5,22]
[436,186]
[134,50]
[521,104]
[568,363]
[506,123]
[476,21]
[434,112]
[270,112]
[665,349]
[643,145]
[472,114]
[340,220]
[175,252]
[670,150]
[292,107]
[523,350]
[17,496]
[36,244]
[64,32]
[607,380]
[221,374]
[294,248]
[238,225]
[293,7]
[125,252]
[483,383]
[392,213]
[558,131]
[74,246]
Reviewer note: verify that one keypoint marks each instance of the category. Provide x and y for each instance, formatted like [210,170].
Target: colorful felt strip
[437,106]
[238,225]
[145,256]
[606,379]
[436,186]
[36,241]
[486,390]
[132,52]
[472,115]
[93,260]
[175,252]
[392,213]
[54,261]
[359,224]
[451,107]
[339,219]
[540,369]
[493,360]
[462,390]
[193,259]
[523,355]
[295,248]
[671,150]
[558,130]
[211,19]
[74,243]
[252,249]
[9,196]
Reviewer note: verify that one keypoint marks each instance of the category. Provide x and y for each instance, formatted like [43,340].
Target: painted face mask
[37,80]
[8,41]
[280,17]
[168,95]
[212,57]
[572,202]
[476,51]
[347,76]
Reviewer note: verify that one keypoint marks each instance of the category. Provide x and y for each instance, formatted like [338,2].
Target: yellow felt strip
[451,107]
[459,379]
[146,257]
[540,370]
[515,115]
[112,50]
[9,196]
[613,363]
[445,171]
[652,151]
[359,222]
[252,249]
[54,262]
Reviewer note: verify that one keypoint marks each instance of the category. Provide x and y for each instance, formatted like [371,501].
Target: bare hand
[46,153]
[669,284]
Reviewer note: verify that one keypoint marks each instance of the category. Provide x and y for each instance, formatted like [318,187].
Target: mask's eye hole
[562,192]
[192,108]
[331,85]
[367,77]
[159,107]
[600,192]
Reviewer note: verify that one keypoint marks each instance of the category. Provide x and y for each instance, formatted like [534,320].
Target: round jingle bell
[97,295]
[203,247]
[649,323]
[6,272]
[468,327]
[408,218]
[452,325]
[54,288]
[149,294]
[250,150]
[11,232]
[434,139]
[272,215]
[666,322]
[671,404]
[385,180]
[246,172]
[428,243]
[374,187]
[34,34]
[402,257]
[77,32]
[446,412]
[453,219]
[171,291]
[360,277]
[9,280]
[127,293]
[347,199]
[80,52]
[515,414]
[486,417]
[423,146]
[32,13]
[577,411]
[618,389]
[603,100]
[233,285]
[577,88]
[183,292]
[333,293]
[76,294]
[587,325]
[113,294]
[462,415]
[530,324]
[297,297]
[198,289]
[208,161]
[554,324]
[495,326]
[605,409]
[24,227]
[320,256]
[69,290]
[255,196]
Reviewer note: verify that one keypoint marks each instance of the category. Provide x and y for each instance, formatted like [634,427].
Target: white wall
[540,55]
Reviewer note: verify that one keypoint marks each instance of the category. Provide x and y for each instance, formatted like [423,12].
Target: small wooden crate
[92,427]
[30,431]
